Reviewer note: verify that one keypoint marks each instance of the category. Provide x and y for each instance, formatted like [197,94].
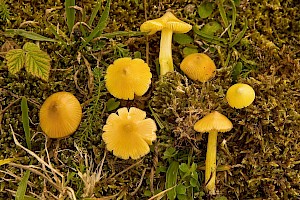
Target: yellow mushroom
[127,77]
[167,24]
[129,133]
[198,67]
[60,115]
[240,95]
[212,123]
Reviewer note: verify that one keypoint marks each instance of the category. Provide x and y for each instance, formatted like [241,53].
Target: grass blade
[233,15]
[240,35]
[209,38]
[100,26]
[25,121]
[20,194]
[122,33]
[94,12]
[223,16]
[29,34]
[70,14]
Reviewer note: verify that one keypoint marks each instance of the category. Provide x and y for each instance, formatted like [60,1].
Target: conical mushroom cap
[126,77]
[168,20]
[198,67]
[240,95]
[214,121]
[60,115]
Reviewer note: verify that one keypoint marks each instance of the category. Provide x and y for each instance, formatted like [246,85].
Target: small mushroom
[240,95]
[212,123]
[129,133]
[198,67]
[60,115]
[127,77]
[167,24]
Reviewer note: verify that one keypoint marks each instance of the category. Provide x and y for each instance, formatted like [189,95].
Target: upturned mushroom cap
[198,67]
[214,121]
[60,115]
[240,95]
[126,77]
[168,20]
[129,133]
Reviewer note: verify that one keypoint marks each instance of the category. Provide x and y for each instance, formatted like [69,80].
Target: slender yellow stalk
[165,53]
[210,162]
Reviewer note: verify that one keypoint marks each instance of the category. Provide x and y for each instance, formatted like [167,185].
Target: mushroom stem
[165,53]
[210,162]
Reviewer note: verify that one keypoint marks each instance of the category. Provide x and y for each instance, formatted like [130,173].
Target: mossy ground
[262,151]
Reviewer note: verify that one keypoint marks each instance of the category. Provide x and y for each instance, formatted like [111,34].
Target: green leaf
[184,167]
[189,50]
[29,46]
[20,194]
[205,9]
[100,26]
[182,39]
[237,69]
[29,34]
[182,197]
[193,182]
[180,189]
[210,38]
[194,175]
[37,62]
[169,153]
[193,167]
[171,179]
[112,104]
[25,121]
[70,14]
[211,28]
[15,60]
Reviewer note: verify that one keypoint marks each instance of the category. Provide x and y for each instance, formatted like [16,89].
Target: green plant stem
[165,53]
[210,162]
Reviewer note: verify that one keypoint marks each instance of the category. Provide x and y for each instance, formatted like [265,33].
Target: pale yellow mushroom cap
[129,133]
[214,121]
[60,115]
[240,95]
[126,77]
[168,20]
[198,67]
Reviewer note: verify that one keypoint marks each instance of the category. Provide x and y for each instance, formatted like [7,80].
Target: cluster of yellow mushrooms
[129,133]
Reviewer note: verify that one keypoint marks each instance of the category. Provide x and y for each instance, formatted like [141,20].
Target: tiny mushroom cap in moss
[129,133]
[198,67]
[127,77]
[167,24]
[60,115]
[240,95]
[212,123]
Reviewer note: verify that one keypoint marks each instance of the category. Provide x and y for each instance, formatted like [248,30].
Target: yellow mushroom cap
[168,20]
[60,115]
[198,67]
[240,95]
[129,133]
[126,77]
[214,121]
